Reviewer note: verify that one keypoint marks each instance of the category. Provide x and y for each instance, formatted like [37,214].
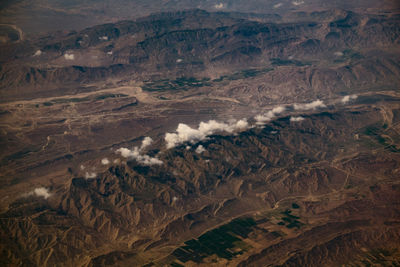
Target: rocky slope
[343,196]
[209,45]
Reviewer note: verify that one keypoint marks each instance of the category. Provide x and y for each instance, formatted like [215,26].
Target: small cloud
[241,125]
[278,5]
[188,147]
[40,192]
[278,109]
[82,167]
[136,153]
[347,98]
[90,175]
[37,53]
[146,142]
[126,152]
[297,3]
[103,38]
[200,149]
[69,56]
[179,60]
[263,118]
[105,161]
[219,5]
[116,161]
[313,105]
[296,119]
[109,53]
[174,199]
[338,54]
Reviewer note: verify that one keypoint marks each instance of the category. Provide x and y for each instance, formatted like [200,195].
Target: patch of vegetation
[70,100]
[187,83]
[290,220]
[224,241]
[295,206]
[243,74]
[80,99]
[351,54]
[64,100]
[277,234]
[183,83]
[22,153]
[105,96]
[125,106]
[288,62]
[348,186]
[174,264]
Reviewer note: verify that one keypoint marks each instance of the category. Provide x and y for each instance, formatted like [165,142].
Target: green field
[183,83]
[290,220]
[225,242]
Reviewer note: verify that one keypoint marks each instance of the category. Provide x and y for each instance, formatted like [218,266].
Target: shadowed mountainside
[338,191]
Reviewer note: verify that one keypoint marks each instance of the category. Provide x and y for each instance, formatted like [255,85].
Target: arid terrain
[200,137]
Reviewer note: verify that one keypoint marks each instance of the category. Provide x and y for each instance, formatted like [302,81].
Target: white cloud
[338,54]
[347,98]
[82,167]
[297,3]
[103,38]
[179,60]
[313,105]
[90,175]
[200,149]
[116,161]
[127,153]
[296,119]
[146,142]
[69,56]
[188,147]
[278,5]
[41,192]
[136,154]
[105,161]
[109,53]
[278,109]
[185,133]
[219,5]
[37,53]
[262,118]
